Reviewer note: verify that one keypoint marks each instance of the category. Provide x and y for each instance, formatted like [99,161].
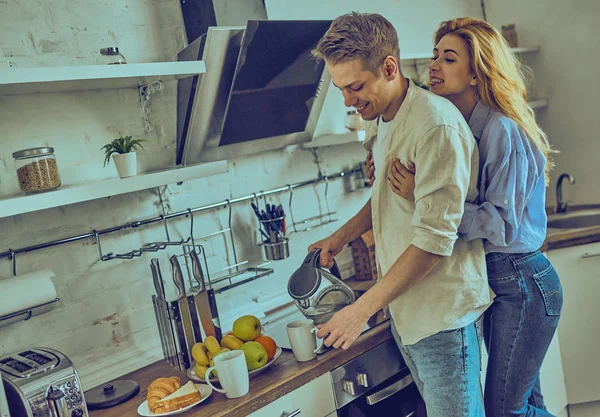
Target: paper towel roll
[26,291]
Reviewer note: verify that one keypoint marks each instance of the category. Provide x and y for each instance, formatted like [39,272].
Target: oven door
[396,396]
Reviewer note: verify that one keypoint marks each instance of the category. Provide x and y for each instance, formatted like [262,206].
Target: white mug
[232,372]
[303,340]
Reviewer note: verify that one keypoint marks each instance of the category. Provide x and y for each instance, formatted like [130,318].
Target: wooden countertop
[284,376]
[564,238]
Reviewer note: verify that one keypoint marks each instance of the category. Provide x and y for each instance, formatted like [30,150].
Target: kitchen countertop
[284,376]
[564,238]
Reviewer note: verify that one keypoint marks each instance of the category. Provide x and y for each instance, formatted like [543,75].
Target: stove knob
[349,386]
[77,413]
[362,380]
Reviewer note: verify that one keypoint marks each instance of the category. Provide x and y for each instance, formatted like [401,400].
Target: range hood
[262,90]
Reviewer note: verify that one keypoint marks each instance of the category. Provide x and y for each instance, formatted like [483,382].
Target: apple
[255,354]
[247,328]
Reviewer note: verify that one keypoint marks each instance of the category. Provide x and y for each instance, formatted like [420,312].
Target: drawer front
[314,399]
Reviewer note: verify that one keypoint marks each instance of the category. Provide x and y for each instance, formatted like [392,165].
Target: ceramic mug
[303,339]
[232,372]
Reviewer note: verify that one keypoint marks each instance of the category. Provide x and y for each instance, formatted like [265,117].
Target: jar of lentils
[37,170]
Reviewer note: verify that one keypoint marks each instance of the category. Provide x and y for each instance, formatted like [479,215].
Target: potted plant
[123,153]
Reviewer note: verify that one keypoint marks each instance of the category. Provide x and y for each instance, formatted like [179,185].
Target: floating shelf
[427,55]
[538,104]
[93,77]
[106,188]
[336,139]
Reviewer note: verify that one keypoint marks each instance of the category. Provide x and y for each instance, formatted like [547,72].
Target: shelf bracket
[145,93]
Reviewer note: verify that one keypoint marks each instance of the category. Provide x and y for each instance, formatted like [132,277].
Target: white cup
[232,373]
[303,340]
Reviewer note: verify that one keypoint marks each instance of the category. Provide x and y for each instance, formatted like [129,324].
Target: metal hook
[192,226]
[290,207]
[13,257]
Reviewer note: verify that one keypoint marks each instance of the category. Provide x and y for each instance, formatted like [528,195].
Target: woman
[474,69]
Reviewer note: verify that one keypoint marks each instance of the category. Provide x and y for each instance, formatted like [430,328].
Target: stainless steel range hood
[262,90]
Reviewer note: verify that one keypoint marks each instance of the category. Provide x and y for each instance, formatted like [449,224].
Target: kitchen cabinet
[578,330]
[313,399]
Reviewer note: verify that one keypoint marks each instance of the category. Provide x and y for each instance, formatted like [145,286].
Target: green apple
[256,355]
[247,328]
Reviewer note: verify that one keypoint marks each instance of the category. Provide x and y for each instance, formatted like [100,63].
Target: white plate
[205,392]
[191,373]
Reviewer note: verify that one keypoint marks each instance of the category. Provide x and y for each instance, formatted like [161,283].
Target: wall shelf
[539,103]
[93,77]
[427,55]
[19,204]
[335,139]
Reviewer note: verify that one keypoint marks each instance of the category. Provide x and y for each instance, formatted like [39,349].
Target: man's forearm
[411,267]
[356,226]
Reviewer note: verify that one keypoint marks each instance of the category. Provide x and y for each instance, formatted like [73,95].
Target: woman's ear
[474,81]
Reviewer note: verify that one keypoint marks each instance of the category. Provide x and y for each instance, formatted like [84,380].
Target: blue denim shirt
[510,212]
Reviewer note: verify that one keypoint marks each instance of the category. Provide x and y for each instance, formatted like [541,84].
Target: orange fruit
[269,345]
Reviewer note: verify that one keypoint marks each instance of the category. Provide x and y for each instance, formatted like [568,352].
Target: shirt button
[505,201]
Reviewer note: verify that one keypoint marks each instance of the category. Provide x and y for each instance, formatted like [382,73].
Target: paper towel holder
[27,313]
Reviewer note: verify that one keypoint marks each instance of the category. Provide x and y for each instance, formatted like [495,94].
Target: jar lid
[351,112]
[113,50]
[25,153]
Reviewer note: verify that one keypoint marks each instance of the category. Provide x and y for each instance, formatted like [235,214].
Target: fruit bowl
[191,373]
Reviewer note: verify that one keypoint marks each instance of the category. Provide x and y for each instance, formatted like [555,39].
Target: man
[434,283]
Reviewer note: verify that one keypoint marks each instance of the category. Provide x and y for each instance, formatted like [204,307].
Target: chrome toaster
[42,382]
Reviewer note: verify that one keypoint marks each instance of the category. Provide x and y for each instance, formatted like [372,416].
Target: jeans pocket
[549,285]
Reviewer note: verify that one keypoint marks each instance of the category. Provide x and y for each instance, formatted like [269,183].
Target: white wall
[105,321]
[565,71]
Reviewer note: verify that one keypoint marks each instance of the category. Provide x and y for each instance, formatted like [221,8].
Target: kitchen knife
[184,308]
[203,303]
[164,323]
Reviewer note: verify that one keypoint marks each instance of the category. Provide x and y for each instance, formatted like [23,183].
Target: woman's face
[450,72]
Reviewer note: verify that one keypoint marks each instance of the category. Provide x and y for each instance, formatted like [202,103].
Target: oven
[377,383]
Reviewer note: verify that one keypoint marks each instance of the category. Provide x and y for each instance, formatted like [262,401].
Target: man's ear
[390,67]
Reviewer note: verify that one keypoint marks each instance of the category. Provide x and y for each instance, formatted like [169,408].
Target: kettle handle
[313,259]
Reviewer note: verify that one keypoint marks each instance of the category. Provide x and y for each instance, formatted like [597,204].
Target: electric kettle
[317,293]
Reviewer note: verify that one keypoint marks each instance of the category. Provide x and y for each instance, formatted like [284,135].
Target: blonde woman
[474,69]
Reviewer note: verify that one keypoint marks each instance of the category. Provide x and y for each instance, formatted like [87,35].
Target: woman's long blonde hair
[500,75]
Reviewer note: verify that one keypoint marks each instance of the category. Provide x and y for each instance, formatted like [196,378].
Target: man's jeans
[518,329]
[446,368]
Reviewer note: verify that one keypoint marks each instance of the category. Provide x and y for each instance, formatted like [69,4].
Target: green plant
[121,145]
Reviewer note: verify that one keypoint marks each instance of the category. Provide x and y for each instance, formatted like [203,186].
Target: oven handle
[390,390]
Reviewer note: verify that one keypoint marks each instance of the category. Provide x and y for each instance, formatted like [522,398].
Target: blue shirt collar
[478,118]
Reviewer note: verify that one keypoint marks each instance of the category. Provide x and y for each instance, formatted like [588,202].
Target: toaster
[42,382]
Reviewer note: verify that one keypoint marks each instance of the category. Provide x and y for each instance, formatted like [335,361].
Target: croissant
[161,388]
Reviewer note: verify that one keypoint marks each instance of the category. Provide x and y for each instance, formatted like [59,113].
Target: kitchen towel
[26,291]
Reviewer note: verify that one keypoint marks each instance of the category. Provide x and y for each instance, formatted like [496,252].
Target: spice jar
[510,34]
[111,56]
[37,170]
[353,121]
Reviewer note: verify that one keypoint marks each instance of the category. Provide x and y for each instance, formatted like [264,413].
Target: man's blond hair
[368,36]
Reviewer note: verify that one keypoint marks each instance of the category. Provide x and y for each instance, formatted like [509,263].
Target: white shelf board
[539,103]
[93,77]
[428,55]
[336,139]
[10,206]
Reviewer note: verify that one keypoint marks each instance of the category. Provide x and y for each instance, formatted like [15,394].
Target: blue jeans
[518,329]
[446,368]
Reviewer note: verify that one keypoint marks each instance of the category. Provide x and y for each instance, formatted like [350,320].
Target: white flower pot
[126,164]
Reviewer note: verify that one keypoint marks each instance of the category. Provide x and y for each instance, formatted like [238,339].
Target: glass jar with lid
[37,170]
[354,121]
[111,56]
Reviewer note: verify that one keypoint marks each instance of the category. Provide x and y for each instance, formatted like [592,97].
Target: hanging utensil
[204,300]
[161,309]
